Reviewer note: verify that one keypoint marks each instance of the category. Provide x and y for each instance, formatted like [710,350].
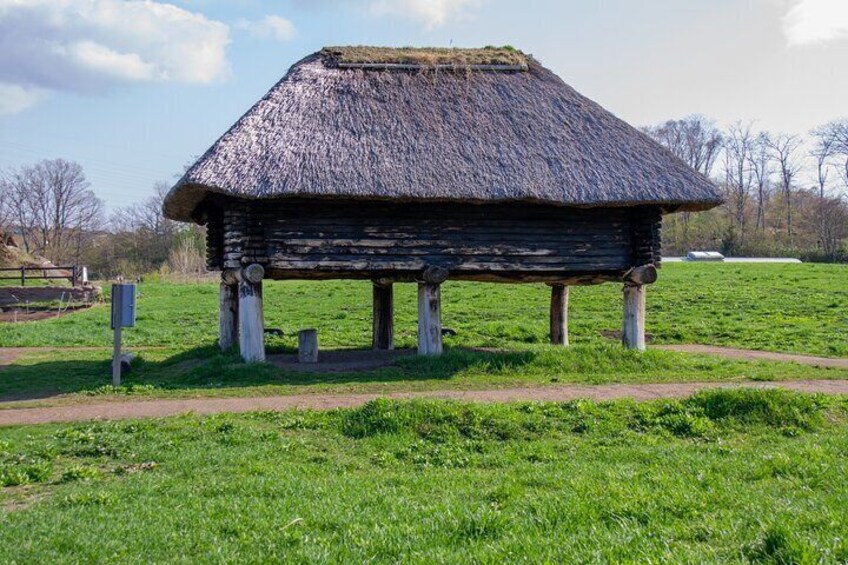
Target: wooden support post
[383,309]
[429,319]
[307,346]
[559,314]
[251,321]
[633,336]
[228,321]
[430,310]
[116,357]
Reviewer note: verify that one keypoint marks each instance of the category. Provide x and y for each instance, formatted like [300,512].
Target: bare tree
[5,207]
[694,139]
[833,224]
[20,188]
[837,132]
[739,175]
[823,151]
[761,167]
[785,153]
[52,207]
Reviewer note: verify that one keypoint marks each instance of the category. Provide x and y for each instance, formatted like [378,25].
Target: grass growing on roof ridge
[723,476]
[425,56]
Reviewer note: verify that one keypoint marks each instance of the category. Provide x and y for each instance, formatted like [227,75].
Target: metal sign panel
[123,305]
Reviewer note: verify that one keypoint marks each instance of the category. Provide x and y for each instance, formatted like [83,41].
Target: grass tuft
[746,406]
[778,546]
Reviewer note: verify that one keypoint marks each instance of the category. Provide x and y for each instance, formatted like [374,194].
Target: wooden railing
[21,274]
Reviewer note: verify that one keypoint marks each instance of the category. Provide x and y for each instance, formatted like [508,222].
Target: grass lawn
[790,308]
[797,308]
[737,475]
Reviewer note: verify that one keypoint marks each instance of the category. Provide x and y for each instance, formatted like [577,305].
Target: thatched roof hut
[374,128]
[477,164]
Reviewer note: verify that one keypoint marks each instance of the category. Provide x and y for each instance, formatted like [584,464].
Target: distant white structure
[704,256]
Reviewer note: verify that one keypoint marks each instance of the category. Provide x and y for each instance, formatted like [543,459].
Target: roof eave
[183,200]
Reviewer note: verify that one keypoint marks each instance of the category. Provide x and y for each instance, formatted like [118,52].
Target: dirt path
[8,355]
[161,408]
[752,355]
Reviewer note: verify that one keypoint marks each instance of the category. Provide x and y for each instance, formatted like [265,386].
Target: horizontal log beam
[453,264]
[400,276]
[646,274]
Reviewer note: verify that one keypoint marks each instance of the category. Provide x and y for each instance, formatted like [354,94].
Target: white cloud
[90,46]
[99,58]
[433,13]
[273,27]
[15,98]
[811,22]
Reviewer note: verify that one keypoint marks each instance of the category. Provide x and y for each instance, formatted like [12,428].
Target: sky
[135,90]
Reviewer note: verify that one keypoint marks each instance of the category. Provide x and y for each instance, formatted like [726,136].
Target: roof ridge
[488,58]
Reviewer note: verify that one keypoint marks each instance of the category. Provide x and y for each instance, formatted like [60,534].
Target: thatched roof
[489,125]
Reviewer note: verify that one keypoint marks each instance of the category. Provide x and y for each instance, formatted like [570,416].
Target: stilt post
[633,336]
[228,310]
[559,314]
[251,331]
[383,315]
[430,311]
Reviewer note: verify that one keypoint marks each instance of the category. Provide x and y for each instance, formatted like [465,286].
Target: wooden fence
[21,273]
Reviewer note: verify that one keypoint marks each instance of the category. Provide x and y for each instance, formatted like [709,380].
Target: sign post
[123,315]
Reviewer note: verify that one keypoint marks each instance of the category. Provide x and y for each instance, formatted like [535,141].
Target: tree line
[784,194]
[50,211]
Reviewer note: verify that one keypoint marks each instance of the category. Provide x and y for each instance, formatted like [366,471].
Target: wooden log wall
[312,239]
[215,239]
[646,222]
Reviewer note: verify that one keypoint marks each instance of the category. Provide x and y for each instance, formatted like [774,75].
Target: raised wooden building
[422,165]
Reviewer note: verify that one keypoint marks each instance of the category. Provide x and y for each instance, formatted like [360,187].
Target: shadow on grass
[222,374]
[88,372]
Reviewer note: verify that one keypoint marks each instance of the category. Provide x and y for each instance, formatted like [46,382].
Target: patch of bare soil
[341,360]
[9,355]
[22,497]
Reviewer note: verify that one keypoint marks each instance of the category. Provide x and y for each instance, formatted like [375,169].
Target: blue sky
[134,90]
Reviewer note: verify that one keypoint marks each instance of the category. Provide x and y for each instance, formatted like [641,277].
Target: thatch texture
[436,135]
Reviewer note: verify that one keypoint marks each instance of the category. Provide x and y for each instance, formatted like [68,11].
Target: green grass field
[727,475]
[753,476]
[775,307]
[749,306]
